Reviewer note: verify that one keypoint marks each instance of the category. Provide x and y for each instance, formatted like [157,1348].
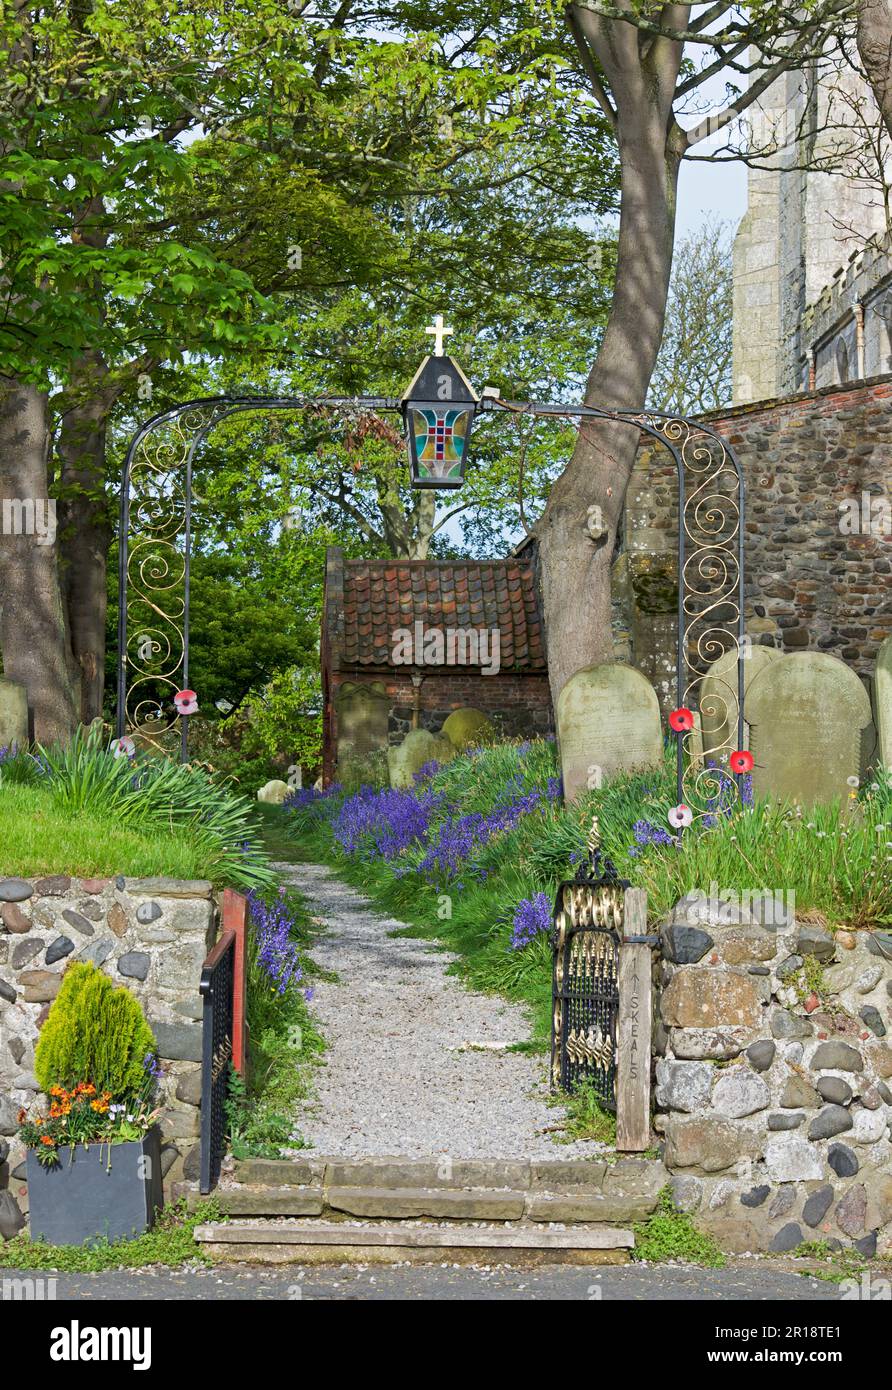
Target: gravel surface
[402,1076]
[753,1282]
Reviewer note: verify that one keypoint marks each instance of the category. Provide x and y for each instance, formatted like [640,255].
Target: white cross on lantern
[438,332]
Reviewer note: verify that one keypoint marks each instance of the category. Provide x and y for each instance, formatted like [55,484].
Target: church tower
[811,207]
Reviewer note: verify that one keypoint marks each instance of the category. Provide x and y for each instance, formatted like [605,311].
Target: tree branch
[591,69]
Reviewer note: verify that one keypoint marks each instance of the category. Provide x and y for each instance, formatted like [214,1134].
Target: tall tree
[693,367]
[875,47]
[642,60]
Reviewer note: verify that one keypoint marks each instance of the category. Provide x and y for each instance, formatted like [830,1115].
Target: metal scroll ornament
[588,916]
[155,547]
[711,642]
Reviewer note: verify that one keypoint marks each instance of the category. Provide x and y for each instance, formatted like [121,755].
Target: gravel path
[400,1077]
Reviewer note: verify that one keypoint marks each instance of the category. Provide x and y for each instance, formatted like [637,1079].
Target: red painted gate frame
[235,919]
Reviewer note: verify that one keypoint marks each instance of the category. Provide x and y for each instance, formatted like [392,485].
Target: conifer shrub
[95,1033]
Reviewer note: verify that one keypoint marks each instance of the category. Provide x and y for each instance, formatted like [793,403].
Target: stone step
[258,1201]
[315,1242]
[517,1175]
[408,1203]
[574,1205]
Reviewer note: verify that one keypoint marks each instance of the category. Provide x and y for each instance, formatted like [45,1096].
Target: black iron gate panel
[217,991]
[588,919]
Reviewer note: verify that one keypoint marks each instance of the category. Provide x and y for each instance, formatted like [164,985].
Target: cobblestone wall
[773,1094]
[816,466]
[151,935]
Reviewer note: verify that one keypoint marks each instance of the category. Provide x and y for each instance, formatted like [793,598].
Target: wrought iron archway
[156,538]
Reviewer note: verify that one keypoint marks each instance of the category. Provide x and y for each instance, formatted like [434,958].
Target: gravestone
[608,721]
[362,712]
[718,698]
[882,698]
[419,747]
[806,713]
[466,727]
[274,792]
[13,714]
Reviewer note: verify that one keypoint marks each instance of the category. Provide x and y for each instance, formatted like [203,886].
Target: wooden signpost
[633,1130]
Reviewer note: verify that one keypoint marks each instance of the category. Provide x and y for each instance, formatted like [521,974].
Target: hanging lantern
[438,409]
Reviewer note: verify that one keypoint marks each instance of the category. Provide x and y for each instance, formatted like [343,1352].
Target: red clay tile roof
[381,596]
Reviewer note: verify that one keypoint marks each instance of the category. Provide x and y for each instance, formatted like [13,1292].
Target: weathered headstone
[419,747]
[466,727]
[362,711]
[13,714]
[274,792]
[806,714]
[718,698]
[882,699]
[608,721]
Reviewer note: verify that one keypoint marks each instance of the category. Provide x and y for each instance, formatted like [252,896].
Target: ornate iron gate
[156,536]
[217,989]
[588,919]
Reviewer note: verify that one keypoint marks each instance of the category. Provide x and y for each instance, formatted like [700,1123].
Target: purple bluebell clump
[531,919]
[277,955]
[303,797]
[458,840]
[646,833]
[384,822]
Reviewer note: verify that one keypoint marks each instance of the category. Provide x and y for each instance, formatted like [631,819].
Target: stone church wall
[816,465]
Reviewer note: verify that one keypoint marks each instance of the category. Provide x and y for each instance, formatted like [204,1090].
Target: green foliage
[285,1048]
[155,792]
[835,859]
[170,1242]
[671,1235]
[838,1265]
[94,1033]
[39,839]
[585,1117]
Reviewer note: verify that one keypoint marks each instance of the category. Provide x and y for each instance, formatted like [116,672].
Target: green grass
[585,1118]
[171,1242]
[835,861]
[286,1047]
[671,1235]
[37,838]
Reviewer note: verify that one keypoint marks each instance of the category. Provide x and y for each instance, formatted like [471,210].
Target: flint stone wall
[150,934]
[774,1077]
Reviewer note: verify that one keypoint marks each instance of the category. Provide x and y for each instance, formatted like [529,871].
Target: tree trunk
[33,635]
[85,529]
[875,47]
[575,567]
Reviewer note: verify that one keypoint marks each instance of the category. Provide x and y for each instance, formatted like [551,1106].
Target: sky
[703,189]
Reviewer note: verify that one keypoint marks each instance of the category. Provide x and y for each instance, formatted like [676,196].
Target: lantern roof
[427,383]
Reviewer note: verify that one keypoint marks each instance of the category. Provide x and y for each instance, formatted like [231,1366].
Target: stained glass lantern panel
[437,441]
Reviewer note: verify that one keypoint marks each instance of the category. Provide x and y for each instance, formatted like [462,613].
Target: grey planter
[97,1193]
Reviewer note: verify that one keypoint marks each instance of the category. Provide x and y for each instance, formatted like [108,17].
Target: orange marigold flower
[45,1139]
[56,1091]
[99,1106]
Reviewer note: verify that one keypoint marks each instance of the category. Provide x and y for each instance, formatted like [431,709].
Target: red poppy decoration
[186,702]
[681,720]
[741,761]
